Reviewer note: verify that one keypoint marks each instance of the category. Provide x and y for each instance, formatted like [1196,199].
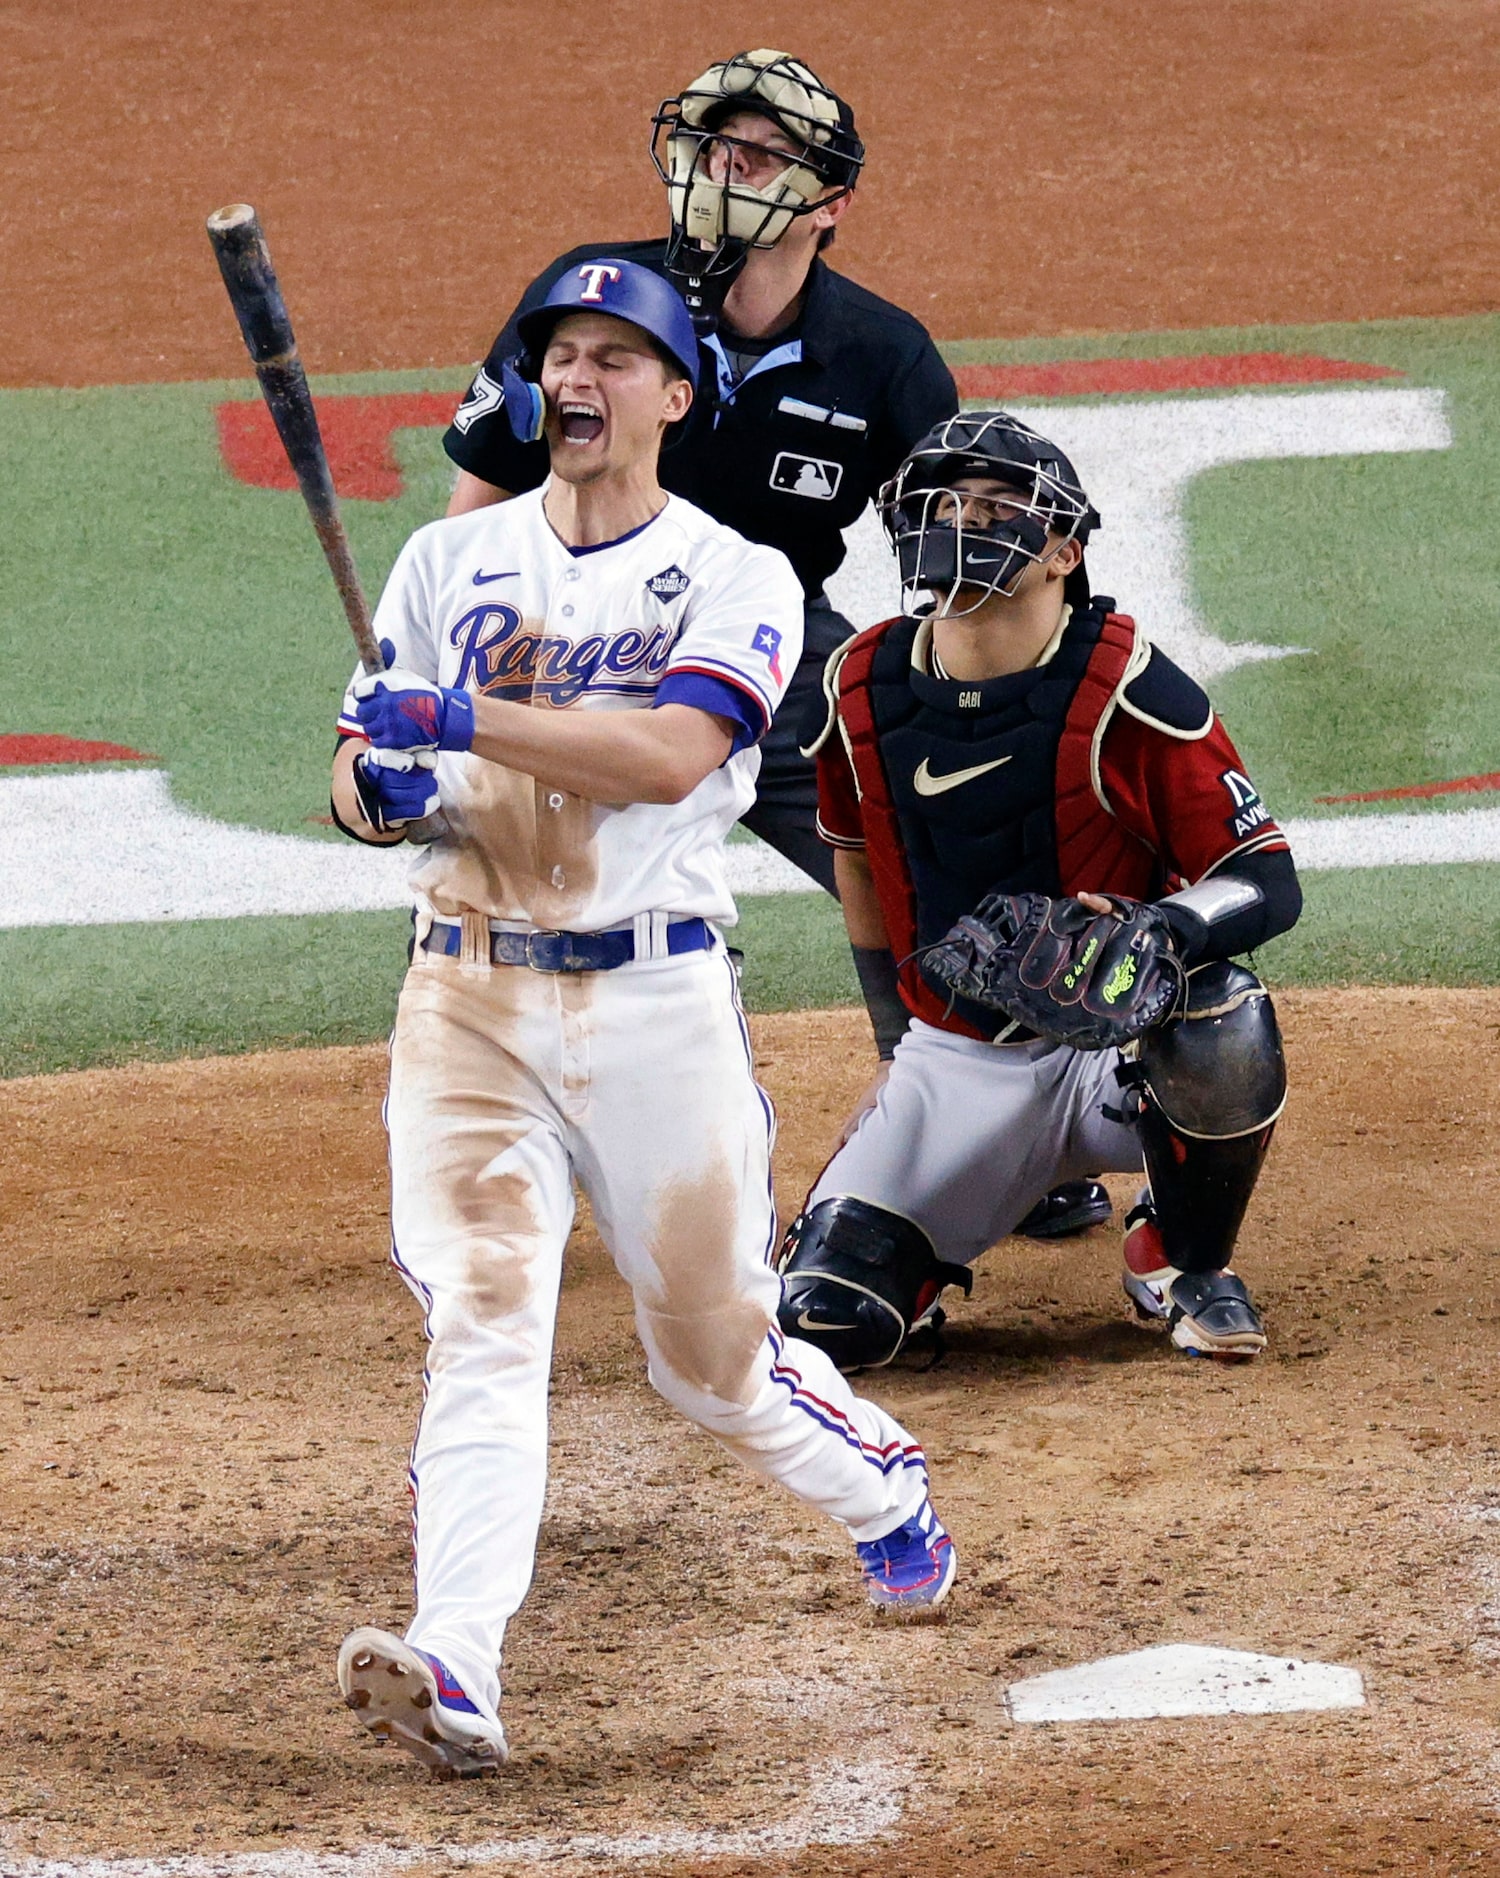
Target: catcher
[1048,853]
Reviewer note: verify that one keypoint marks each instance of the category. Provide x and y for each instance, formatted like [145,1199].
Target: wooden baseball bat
[255,294]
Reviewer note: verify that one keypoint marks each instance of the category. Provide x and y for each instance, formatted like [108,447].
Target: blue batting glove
[398,710]
[395,787]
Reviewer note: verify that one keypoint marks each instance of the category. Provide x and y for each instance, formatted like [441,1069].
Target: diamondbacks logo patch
[670,584]
[812,476]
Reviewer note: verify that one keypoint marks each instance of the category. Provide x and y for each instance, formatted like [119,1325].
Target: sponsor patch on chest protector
[812,476]
[1249,811]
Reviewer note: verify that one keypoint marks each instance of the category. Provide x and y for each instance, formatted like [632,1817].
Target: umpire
[821,388]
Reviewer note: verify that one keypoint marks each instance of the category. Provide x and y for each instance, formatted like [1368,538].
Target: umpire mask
[945,539]
[717,214]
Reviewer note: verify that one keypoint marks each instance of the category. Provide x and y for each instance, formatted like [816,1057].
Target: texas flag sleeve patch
[768,642]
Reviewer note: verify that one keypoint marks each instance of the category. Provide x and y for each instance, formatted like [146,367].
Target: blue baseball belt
[570,951]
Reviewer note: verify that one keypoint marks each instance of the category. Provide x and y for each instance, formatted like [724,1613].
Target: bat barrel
[255,293]
[245,262]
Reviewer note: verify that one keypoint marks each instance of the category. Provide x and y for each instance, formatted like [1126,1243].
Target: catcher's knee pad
[855,1278]
[1213,1083]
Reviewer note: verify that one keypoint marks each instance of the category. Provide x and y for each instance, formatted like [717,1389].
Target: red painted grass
[357,431]
[24,750]
[1081,378]
[1423,792]
[357,436]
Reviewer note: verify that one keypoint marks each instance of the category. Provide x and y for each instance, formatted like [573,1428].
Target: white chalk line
[847,1804]
[161,861]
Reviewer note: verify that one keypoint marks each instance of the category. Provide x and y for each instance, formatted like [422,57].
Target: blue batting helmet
[626,291]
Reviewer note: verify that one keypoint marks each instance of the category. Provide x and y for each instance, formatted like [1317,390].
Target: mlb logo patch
[812,476]
[669,584]
[768,642]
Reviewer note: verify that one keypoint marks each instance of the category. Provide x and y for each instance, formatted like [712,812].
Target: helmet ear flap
[525,405]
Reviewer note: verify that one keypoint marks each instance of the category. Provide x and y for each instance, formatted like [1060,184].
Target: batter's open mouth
[581,423]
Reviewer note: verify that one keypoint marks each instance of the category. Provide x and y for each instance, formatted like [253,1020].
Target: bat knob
[235,215]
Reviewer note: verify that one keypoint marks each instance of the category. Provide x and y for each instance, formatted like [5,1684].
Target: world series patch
[669,584]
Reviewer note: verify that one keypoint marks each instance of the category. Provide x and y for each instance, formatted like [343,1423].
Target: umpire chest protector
[969,789]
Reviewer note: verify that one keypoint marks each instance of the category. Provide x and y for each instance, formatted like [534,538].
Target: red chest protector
[1094,851]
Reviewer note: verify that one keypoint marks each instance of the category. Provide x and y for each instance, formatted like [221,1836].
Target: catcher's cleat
[1210,1312]
[911,1570]
[404,1695]
[1071,1208]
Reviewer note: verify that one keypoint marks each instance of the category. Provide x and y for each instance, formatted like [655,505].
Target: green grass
[77,996]
[147,598]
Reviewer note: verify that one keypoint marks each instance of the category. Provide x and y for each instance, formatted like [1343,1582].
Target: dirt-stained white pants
[506,1084]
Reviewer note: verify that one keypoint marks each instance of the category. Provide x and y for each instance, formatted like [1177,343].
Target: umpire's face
[610,395]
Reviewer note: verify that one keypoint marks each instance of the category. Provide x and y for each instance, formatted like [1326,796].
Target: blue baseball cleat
[910,1570]
[405,1695]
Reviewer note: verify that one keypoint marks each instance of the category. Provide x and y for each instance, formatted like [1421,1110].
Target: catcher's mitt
[1093,980]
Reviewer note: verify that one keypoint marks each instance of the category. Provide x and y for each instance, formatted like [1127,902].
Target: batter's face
[609,397]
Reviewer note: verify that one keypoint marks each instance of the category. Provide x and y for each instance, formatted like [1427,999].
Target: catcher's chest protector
[975,789]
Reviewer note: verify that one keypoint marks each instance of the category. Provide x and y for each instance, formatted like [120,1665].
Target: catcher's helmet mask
[941,546]
[716,221]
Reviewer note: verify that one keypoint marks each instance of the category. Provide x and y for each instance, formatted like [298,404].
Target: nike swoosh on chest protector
[926,784]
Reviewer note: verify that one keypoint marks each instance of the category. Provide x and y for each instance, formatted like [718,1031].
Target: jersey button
[559,878]
[555,801]
[567,612]
[571,574]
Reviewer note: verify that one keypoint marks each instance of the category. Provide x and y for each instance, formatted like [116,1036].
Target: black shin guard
[1213,1084]
[857,1278]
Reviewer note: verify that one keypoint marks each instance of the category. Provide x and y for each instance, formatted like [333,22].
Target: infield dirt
[209,1375]
[1086,165]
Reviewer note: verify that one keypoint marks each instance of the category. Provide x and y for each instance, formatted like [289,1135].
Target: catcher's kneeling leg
[856,1278]
[1212,1086]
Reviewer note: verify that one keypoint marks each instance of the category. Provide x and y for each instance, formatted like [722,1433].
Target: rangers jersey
[679,611]
[1101,768]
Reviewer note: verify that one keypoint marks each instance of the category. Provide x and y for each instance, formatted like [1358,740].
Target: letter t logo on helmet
[595,275]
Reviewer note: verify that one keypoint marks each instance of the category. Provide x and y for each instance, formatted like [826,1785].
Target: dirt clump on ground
[208,1380]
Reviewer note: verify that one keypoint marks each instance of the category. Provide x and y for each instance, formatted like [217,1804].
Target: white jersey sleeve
[740,638]
[406,616]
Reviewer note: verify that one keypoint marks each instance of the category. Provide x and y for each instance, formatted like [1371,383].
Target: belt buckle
[531,958]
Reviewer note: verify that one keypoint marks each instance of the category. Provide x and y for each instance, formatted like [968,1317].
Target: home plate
[1183,1679]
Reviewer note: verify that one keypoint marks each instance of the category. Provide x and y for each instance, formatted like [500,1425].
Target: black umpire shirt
[789,453]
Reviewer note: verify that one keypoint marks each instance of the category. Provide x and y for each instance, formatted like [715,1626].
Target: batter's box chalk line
[846,1804]
[1175,1679]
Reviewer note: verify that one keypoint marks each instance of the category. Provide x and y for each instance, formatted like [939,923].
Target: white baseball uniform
[508,1084]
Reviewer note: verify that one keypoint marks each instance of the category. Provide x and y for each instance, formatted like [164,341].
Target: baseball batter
[580,677]
[814,391]
[1013,735]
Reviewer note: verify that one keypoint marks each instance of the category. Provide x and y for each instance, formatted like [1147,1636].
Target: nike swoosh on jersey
[926,784]
[481,579]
